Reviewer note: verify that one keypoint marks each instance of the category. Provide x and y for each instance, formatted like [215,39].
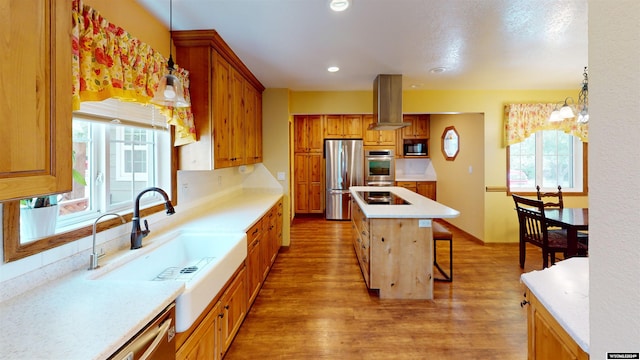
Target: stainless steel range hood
[387,103]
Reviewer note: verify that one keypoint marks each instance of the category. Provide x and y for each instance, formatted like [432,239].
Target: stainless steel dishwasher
[155,342]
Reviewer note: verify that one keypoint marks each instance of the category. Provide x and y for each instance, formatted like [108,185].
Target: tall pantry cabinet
[308,175]
[35,98]
[226,100]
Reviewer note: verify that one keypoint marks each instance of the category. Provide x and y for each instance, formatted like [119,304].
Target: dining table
[571,219]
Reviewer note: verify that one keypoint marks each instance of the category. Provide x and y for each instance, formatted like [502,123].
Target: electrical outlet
[280,175]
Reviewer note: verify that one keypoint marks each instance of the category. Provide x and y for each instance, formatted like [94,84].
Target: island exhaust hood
[387,103]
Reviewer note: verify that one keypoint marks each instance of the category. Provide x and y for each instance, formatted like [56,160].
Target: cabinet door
[254,279]
[316,193]
[427,189]
[314,133]
[301,183]
[35,97]
[278,240]
[333,126]
[250,124]
[352,126]
[204,343]
[222,113]
[419,128]
[237,140]
[265,247]
[234,308]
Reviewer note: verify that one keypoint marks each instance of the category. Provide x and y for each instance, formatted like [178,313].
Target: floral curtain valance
[522,120]
[110,63]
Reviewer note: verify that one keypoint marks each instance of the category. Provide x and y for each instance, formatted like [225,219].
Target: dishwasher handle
[162,332]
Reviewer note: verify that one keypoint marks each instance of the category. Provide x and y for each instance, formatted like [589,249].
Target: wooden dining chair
[554,201]
[534,230]
[554,198]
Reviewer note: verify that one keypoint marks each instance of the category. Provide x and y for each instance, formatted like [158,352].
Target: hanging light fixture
[583,98]
[169,92]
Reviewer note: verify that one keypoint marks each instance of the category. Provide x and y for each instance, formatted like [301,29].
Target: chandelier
[566,111]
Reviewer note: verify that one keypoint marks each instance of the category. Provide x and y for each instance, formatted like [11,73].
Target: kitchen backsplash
[415,170]
[195,188]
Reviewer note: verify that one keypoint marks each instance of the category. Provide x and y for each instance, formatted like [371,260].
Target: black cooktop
[382,198]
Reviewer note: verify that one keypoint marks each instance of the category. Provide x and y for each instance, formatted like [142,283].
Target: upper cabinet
[343,127]
[226,100]
[377,137]
[308,133]
[35,98]
[419,128]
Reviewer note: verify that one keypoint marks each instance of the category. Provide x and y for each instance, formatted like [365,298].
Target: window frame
[14,250]
[585,176]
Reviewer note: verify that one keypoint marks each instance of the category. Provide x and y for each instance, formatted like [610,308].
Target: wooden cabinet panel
[419,128]
[343,126]
[546,338]
[308,183]
[308,134]
[234,309]
[427,189]
[226,100]
[35,98]
[204,342]
[409,185]
[377,137]
[254,272]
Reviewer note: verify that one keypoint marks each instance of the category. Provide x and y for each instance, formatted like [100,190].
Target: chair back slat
[532,220]
[551,199]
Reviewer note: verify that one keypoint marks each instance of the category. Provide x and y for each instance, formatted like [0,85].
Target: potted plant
[39,215]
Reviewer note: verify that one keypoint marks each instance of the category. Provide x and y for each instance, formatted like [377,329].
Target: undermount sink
[203,261]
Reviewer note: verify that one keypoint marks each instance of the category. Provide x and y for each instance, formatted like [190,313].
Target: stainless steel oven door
[380,170]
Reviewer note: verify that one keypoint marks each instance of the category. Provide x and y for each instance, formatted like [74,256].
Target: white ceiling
[483,44]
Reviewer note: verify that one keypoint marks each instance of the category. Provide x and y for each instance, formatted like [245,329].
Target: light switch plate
[280,175]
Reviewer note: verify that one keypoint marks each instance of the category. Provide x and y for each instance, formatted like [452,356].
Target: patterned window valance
[110,63]
[522,120]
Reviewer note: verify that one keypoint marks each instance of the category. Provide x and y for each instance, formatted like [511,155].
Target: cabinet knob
[226,307]
[524,302]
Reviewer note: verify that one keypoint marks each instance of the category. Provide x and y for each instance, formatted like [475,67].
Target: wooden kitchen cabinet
[35,74]
[254,268]
[308,134]
[233,310]
[343,127]
[277,241]
[269,229]
[204,343]
[308,185]
[395,255]
[377,137]
[546,337]
[226,100]
[419,128]
[424,188]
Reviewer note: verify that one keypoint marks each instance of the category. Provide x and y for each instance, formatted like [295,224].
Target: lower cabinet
[213,332]
[546,338]
[424,188]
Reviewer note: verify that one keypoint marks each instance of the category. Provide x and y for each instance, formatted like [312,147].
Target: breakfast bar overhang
[393,239]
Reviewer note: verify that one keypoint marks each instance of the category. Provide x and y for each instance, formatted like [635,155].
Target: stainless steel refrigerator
[345,168]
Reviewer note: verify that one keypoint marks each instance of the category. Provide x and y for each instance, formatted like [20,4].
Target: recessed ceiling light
[438,70]
[333,69]
[339,5]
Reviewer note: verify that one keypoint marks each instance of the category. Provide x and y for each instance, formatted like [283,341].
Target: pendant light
[169,92]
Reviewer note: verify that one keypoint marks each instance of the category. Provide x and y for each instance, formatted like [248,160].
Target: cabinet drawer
[254,232]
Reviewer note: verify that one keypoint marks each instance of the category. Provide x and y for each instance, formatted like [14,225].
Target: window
[547,158]
[119,149]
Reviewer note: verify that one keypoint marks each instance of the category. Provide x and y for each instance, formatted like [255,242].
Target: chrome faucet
[93,258]
[137,234]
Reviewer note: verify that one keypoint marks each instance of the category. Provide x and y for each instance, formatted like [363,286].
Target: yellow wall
[499,223]
[136,20]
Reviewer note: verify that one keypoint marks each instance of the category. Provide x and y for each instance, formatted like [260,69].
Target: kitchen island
[393,239]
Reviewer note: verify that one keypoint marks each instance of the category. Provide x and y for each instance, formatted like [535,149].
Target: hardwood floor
[315,305]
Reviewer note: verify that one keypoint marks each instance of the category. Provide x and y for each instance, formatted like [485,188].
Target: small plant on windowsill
[38,216]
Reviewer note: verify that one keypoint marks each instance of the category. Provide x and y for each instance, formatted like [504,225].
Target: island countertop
[419,207]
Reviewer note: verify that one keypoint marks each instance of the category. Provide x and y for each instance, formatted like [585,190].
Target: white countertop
[563,289]
[79,318]
[420,207]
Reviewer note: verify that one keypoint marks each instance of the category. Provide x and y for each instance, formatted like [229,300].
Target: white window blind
[126,113]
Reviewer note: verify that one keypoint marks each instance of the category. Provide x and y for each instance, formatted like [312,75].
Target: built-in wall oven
[380,167]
